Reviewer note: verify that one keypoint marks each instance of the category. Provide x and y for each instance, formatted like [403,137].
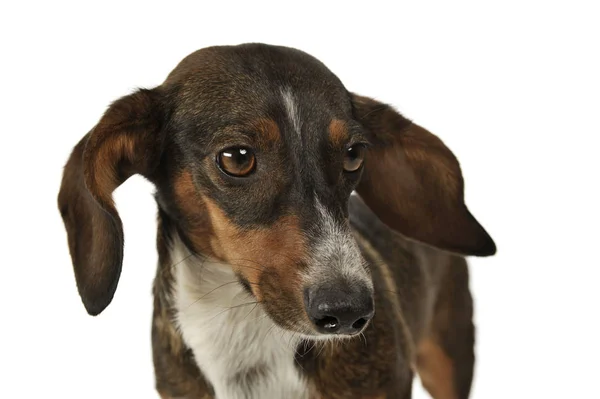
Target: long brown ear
[128,139]
[414,184]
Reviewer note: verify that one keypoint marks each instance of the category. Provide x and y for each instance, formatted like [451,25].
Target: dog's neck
[238,348]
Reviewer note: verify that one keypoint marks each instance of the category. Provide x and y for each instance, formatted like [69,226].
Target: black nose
[339,309]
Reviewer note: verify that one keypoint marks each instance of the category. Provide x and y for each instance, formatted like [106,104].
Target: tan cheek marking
[277,249]
[436,370]
[338,132]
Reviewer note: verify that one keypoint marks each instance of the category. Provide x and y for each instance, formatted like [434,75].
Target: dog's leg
[445,357]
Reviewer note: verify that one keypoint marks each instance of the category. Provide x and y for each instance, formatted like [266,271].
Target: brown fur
[436,370]
[282,243]
[264,257]
[338,133]
[194,213]
[269,134]
[411,184]
[375,355]
[427,201]
[447,351]
[270,260]
[177,375]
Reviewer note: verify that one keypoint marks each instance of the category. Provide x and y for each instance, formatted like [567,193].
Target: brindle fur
[431,287]
[423,319]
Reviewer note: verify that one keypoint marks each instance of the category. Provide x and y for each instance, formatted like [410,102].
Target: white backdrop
[513,90]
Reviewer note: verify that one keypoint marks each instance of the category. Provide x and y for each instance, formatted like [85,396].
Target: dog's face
[255,151]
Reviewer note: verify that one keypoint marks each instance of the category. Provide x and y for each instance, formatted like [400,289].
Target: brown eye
[354,157]
[237,161]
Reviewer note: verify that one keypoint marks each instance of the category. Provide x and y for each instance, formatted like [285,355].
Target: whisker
[295,353]
[267,334]
[169,268]
[312,346]
[362,334]
[210,292]
[233,307]
[251,310]
[207,323]
[322,347]
[233,262]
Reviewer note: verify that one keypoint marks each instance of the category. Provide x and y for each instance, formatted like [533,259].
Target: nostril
[343,310]
[360,323]
[328,323]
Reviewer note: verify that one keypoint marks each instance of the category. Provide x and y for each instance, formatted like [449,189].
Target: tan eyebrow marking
[268,130]
[338,132]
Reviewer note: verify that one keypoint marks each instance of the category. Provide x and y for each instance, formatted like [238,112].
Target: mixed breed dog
[311,241]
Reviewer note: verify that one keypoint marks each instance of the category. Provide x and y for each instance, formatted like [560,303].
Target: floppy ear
[128,139]
[414,184]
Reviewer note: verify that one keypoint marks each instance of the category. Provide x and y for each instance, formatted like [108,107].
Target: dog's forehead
[252,79]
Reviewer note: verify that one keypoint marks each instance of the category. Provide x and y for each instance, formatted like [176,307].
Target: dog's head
[254,151]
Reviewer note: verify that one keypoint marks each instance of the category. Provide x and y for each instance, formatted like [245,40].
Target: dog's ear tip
[486,248]
[97,297]
[94,311]
[492,248]
[487,251]
[96,306]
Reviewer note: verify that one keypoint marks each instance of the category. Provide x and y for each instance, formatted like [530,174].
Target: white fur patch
[292,110]
[231,336]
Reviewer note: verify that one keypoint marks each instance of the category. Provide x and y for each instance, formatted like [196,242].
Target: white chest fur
[240,351]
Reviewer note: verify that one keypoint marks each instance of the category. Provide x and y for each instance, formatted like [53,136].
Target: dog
[311,241]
